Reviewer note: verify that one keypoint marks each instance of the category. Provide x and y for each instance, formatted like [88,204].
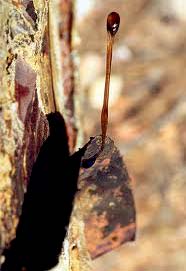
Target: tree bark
[33,85]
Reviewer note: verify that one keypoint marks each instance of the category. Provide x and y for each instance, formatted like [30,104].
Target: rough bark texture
[23,126]
[104,201]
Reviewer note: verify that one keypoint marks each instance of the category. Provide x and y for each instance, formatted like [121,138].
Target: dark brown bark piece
[107,200]
[31,11]
[68,68]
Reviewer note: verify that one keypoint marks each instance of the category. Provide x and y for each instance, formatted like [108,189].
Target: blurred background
[147,119]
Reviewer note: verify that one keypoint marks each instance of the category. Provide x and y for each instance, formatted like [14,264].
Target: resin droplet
[113,21]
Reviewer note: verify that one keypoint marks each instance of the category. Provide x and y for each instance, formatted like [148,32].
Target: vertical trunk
[33,83]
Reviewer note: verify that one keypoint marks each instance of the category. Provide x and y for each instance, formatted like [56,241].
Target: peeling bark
[104,216]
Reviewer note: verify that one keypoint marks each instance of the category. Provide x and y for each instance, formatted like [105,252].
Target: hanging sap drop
[113,21]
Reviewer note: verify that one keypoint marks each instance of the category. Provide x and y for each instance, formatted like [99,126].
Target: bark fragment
[104,203]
